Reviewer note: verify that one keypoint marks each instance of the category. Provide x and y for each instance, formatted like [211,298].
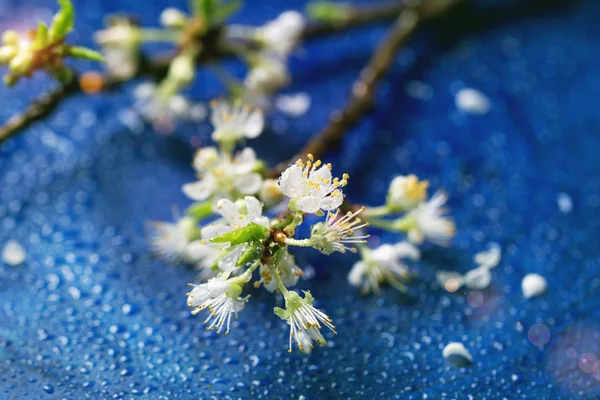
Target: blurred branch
[364,88]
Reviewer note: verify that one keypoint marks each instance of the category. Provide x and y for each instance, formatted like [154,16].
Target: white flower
[221,297]
[333,234]
[283,34]
[120,44]
[294,105]
[383,265]
[233,219]
[489,258]
[311,187]
[235,122]
[406,192]
[220,176]
[287,270]
[268,75]
[169,240]
[302,317]
[428,221]
[173,18]
[165,111]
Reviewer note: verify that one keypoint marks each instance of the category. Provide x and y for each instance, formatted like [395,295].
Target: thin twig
[364,88]
[157,67]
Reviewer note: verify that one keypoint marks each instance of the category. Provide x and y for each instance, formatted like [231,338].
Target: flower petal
[355,277]
[309,204]
[214,230]
[248,184]
[253,207]
[244,161]
[200,190]
[228,210]
[291,180]
[217,287]
[228,263]
[254,124]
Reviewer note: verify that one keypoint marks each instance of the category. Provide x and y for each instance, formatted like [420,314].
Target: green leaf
[41,36]
[224,11]
[85,53]
[254,252]
[200,211]
[326,11]
[62,22]
[215,11]
[250,233]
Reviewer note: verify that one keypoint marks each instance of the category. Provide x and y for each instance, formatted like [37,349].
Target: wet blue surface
[91,315]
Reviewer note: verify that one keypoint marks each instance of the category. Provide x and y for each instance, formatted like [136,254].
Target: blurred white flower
[428,221]
[221,176]
[234,122]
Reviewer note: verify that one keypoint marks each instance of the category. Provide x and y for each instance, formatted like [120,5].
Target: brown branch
[364,88]
[157,68]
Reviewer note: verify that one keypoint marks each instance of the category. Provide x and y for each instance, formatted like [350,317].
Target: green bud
[10,79]
[10,38]
[182,69]
[21,63]
[7,53]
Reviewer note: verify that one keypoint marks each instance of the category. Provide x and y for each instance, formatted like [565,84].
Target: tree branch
[364,88]
[157,68]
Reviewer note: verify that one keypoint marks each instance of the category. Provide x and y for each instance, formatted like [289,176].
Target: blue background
[91,315]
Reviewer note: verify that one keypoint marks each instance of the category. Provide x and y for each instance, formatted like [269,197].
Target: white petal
[323,176]
[254,124]
[333,201]
[228,262]
[205,158]
[228,210]
[13,253]
[198,295]
[415,236]
[355,277]
[310,204]
[478,278]
[253,207]
[290,180]
[248,184]
[533,285]
[489,258]
[244,162]
[197,251]
[264,221]
[200,190]
[407,250]
[456,354]
[217,287]
[214,230]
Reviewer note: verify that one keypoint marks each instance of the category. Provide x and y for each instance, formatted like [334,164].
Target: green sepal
[250,233]
[200,211]
[215,12]
[62,74]
[62,22]
[254,252]
[85,53]
[281,313]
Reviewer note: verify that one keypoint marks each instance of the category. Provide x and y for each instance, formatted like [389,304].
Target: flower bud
[182,69]
[406,192]
[270,193]
[173,18]
[7,53]
[21,63]
[10,38]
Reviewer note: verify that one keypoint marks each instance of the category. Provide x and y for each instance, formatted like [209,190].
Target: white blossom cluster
[236,226]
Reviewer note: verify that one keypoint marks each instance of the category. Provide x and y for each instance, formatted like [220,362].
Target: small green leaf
[62,22]
[224,11]
[85,53]
[41,36]
[250,233]
[326,11]
[200,211]
[254,252]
